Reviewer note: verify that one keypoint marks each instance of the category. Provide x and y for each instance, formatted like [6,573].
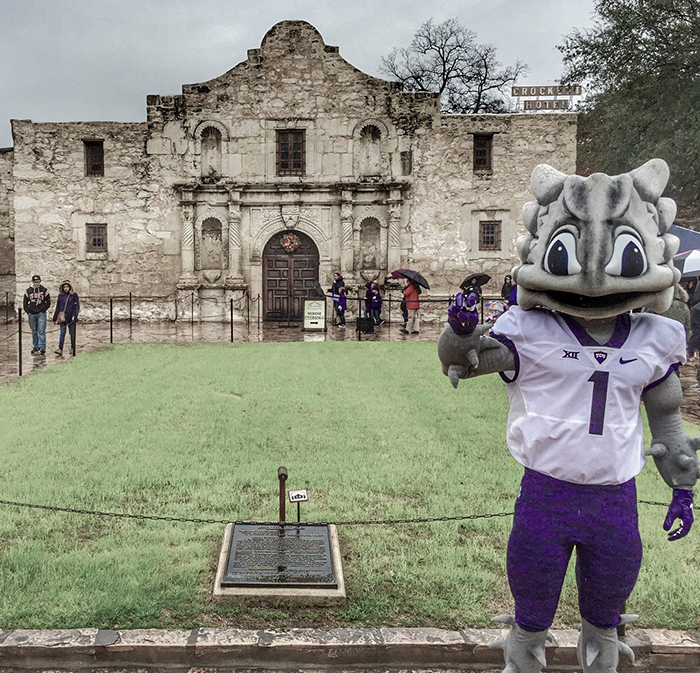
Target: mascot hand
[463,316]
[676,459]
[681,508]
[460,354]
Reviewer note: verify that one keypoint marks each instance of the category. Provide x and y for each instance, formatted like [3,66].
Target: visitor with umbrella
[411,294]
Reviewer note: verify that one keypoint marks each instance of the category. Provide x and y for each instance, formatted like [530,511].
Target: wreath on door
[290,242]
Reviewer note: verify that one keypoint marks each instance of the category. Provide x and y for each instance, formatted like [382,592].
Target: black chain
[350,522]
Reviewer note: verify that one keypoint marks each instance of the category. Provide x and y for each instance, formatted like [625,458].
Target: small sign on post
[314,314]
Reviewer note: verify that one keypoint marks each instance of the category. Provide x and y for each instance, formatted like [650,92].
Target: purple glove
[463,316]
[681,507]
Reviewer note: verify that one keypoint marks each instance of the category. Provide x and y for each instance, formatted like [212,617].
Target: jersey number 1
[600,394]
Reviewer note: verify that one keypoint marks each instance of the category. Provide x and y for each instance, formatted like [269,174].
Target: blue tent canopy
[690,240]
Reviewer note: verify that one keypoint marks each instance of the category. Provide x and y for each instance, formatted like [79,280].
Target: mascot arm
[472,355]
[673,451]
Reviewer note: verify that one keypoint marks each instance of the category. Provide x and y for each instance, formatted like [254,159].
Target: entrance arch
[290,273]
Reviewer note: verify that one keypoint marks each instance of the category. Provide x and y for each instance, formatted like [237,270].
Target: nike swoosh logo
[626,362]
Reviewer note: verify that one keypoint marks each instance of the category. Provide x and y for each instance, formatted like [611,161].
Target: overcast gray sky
[87,60]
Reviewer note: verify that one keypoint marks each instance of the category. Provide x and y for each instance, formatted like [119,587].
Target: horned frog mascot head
[576,363]
[598,246]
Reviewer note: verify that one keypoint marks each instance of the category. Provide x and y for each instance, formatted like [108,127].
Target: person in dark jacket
[66,314]
[507,287]
[36,302]
[338,282]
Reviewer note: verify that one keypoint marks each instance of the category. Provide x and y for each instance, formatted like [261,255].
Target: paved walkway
[91,336]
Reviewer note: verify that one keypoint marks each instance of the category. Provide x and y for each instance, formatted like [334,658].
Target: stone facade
[293,139]
[7,232]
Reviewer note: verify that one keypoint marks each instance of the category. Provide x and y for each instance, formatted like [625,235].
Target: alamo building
[266,180]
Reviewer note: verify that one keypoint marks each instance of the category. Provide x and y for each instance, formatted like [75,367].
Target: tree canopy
[641,61]
[444,58]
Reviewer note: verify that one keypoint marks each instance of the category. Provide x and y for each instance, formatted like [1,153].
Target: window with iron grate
[291,151]
[96,238]
[94,158]
[490,235]
[482,153]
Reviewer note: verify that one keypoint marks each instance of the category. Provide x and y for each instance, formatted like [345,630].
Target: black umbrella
[475,280]
[412,275]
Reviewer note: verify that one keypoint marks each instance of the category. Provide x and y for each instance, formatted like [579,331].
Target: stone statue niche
[370,248]
[211,152]
[212,256]
[370,151]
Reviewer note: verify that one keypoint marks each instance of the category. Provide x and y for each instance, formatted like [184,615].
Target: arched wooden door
[290,273]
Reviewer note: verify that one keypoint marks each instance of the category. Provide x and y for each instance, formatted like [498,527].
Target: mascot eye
[628,258]
[561,255]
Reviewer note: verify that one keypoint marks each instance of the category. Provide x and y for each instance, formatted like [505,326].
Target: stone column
[394,230]
[235,276]
[187,277]
[383,244]
[347,261]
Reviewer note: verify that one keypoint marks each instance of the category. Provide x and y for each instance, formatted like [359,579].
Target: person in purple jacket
[66,314]
[342,306]
[373,303]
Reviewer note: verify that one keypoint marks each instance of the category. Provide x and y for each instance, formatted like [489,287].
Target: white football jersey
[575,404]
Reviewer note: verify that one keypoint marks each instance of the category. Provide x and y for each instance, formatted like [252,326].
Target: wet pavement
[91,336]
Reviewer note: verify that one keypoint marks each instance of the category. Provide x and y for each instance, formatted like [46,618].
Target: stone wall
[7,231]
[54,201]
[450,198]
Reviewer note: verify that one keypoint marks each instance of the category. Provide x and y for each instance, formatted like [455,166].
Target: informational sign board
[314,314]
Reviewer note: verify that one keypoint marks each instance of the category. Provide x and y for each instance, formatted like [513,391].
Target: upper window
[211,151]
[490,235]
[94,158]
[96,238]
[482,152]
[291,152]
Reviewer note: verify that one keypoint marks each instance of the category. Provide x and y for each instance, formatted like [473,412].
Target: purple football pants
[551,518]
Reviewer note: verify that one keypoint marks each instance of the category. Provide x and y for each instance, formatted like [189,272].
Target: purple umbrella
[411,275]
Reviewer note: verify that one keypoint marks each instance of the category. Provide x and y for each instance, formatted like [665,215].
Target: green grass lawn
[372,430]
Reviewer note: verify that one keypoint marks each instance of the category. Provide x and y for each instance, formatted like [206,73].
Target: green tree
[444,58]
[641,63]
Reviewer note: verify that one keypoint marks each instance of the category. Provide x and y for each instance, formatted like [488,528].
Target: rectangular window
[94,158]
[407,162]
[96,238]
[291,152]
[490,235]
[482,153]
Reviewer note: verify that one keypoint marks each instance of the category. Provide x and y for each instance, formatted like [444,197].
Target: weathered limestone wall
[7,231]
[54,200]
[449,199]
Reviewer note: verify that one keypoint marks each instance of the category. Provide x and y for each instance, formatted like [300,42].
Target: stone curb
[655,649]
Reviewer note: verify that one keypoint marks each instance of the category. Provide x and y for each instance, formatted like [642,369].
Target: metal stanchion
[282,476]
[359,312]
[258,307]
[389,313]
[74,344]
[129,310]
[111,322]
[231,305]
[7,307]
[192,309]
[19,340]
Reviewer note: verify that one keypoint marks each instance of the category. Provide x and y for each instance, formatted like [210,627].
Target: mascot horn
[576,362]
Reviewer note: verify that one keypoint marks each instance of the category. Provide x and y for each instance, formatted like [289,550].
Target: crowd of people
[410,304]
[37,301]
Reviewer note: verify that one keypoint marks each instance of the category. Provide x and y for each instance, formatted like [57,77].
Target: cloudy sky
[86,60]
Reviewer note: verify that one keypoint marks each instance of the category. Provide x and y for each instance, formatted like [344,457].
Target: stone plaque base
[262,565]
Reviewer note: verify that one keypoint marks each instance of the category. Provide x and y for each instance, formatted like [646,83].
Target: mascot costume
[577,362]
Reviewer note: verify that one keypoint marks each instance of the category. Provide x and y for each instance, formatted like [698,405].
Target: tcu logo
[570,355]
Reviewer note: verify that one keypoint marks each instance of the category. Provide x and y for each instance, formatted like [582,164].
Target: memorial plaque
[280,556]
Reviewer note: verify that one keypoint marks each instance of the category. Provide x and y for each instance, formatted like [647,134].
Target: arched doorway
[290,273]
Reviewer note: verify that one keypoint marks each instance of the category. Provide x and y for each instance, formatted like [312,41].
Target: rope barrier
[7,338]
[350,522]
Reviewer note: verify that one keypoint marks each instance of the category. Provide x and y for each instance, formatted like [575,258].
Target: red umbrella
[411,275]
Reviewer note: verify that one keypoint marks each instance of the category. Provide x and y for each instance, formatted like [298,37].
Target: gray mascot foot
[599,649]
[523,650]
